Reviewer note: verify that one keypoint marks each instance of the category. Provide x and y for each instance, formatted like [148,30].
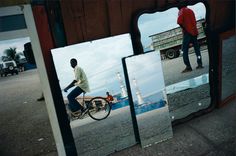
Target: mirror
[187,92]
[149,97]
[101,62]
[228,67]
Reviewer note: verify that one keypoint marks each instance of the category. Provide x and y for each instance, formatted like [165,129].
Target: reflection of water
[191,83]
[151,102]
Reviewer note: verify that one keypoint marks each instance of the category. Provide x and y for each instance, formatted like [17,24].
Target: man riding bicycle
[82,85]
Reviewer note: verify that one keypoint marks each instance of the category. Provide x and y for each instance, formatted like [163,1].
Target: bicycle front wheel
[99,108]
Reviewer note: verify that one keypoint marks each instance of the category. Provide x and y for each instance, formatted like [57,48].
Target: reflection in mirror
[188,90]
[101,63]
[228,67]
[149,97]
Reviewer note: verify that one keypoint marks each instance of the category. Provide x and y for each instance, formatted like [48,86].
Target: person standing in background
[187,21]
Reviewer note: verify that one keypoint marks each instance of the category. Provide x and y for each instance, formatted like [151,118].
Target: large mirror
[104,125]
[149,97]
[188,89]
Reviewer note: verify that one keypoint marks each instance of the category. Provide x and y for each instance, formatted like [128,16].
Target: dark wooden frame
[138,49]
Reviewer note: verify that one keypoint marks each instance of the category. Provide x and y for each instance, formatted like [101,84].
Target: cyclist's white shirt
[81,79]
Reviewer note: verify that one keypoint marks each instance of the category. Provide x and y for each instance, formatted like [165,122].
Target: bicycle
[98,108]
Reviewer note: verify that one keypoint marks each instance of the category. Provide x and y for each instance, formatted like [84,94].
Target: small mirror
[187,89]
[149,97]
[105,125]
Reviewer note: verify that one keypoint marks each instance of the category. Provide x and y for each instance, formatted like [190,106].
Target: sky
[100,59]
[17,43]
[150,24]
[148,75]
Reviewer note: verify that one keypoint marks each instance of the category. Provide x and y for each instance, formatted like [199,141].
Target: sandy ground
[25,128]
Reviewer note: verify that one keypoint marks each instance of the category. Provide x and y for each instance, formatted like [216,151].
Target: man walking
[81,84]
[187,21]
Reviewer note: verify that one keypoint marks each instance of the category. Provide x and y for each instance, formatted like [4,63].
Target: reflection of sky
[150,24]
[147,71]
[17,43]
[100,59]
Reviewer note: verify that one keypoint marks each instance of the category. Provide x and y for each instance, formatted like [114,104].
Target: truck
[169,42]
[8,67]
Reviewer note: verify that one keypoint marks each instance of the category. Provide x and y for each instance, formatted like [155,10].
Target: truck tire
[170,53]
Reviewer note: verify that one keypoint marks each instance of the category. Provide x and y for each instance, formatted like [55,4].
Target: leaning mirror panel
[104,125]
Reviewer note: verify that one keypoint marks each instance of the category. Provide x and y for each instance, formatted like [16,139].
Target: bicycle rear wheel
[99,108]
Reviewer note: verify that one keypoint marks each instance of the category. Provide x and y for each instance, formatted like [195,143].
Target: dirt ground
[25,128]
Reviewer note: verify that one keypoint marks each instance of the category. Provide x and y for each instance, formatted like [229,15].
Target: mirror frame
[212,39]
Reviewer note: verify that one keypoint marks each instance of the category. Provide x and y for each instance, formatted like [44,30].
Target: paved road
[172,68]
[25,128]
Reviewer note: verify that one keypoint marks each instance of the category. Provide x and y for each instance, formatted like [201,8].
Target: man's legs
[197,51]
[185,47]
[74,105]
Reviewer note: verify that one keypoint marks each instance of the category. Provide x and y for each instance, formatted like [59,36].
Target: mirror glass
[228,67]
[149,97]
[187,92]
[101,63]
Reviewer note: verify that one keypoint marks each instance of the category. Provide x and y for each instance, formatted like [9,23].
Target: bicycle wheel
[99,108]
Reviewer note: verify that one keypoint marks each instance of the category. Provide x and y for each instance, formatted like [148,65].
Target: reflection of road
[188,101]
[105,136]
[172,68]
[151,130]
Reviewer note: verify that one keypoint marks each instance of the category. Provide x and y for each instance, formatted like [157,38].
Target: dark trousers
[74,105]
[187,39]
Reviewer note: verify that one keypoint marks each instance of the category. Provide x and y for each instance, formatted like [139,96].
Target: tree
[11,52]
[5,58]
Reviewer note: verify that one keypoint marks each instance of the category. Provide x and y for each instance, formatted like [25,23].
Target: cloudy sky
[148,75]
[100,59]
[18,43]
[150,24]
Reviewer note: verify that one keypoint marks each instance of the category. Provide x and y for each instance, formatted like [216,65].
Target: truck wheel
[170,53]
[11,68]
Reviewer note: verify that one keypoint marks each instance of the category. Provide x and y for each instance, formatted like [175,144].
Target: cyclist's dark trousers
[187,39]
[74,105]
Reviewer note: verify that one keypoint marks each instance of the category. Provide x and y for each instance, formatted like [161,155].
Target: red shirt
[110,98]
[186,19]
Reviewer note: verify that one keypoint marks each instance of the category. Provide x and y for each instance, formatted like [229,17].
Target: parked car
[8,67]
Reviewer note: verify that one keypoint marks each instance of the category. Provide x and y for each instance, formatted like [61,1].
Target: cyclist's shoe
[83,112]
[76,113]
